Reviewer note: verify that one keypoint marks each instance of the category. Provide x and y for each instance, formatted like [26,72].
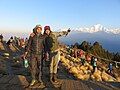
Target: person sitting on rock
[88,57]
[82,57]
[75,51]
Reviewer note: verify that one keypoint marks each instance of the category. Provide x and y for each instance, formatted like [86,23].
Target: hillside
[70,72]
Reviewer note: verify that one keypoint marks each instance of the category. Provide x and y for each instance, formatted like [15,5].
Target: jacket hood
[35,31]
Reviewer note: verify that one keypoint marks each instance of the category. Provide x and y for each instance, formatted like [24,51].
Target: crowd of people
[88,57]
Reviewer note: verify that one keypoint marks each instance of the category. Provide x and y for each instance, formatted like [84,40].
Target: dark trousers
[36,67]
[94,67]
[109,70]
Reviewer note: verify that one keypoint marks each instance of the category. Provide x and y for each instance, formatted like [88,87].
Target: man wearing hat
[1,38]
[51,48]
[35,48]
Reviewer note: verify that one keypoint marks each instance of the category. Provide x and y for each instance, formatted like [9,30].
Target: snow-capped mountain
[97,28]
[109,38]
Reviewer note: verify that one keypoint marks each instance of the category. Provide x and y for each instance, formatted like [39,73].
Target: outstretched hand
[69,30]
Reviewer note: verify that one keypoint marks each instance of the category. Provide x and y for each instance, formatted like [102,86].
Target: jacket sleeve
[27,48]
[44,45]
[59,34]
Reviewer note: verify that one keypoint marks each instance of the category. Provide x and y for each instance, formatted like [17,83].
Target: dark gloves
[68,30]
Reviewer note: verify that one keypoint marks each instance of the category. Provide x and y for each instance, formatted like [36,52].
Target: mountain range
[108,38]
[98,28]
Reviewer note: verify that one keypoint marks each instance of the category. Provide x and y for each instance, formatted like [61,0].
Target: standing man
[1,38]
[110,67]
[95,64]
[51,46]
[35,48]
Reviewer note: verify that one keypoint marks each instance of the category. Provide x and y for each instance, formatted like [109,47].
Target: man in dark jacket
[1,38]
[35,48]
[51,48]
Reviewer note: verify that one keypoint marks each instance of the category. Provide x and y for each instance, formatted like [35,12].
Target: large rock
[19,80]
[2,66]
[73,85]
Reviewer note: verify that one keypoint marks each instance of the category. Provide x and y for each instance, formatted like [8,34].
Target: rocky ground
[71,74]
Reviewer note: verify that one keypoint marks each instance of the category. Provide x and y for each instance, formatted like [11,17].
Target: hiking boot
[51,77]
[41,85]
[33,82]
[55,80]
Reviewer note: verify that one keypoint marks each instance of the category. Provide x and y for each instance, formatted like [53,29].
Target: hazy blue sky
[23,15]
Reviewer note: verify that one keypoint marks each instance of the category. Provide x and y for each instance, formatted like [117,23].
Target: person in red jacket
[88,57]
